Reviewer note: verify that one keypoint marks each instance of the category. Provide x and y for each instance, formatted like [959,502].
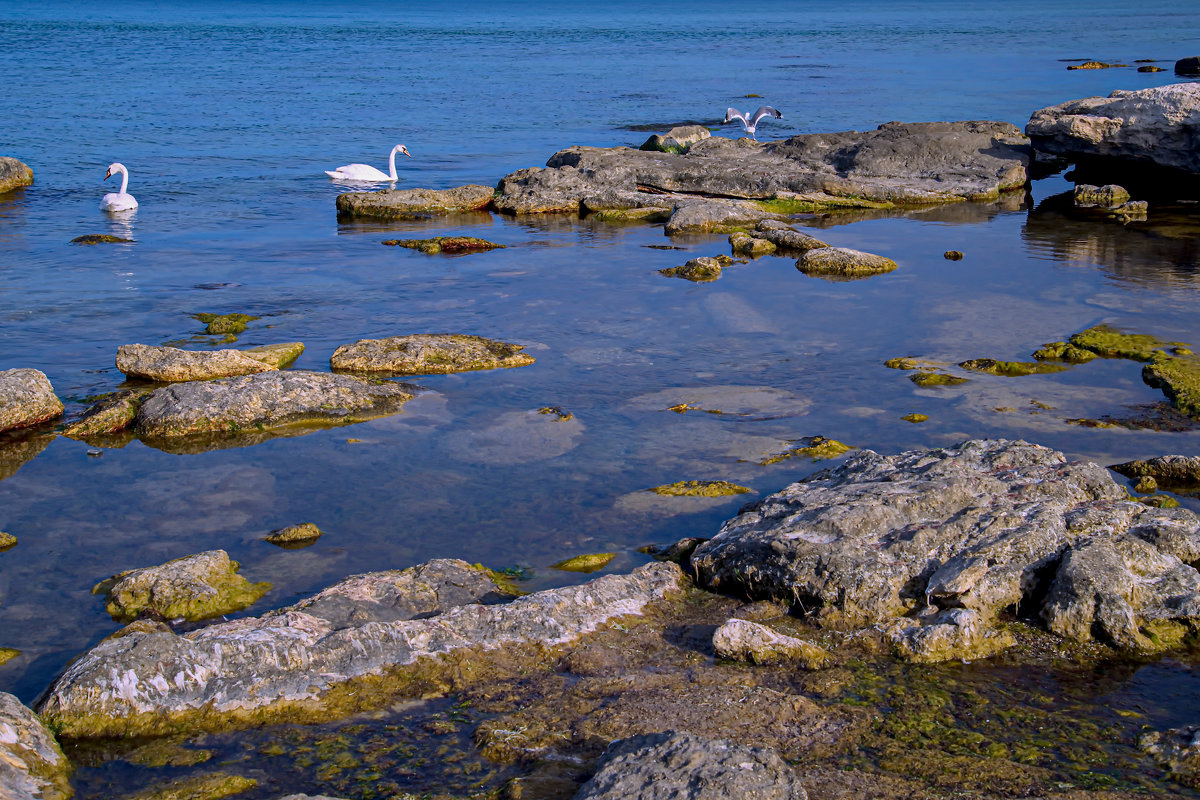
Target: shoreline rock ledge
[937,548]
[353,646]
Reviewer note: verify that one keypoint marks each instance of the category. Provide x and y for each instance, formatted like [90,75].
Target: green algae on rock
[193,587]
[26,399]
[275,355]
[1105,340]
[589,562]
[300,535]
[13,174]
[445,244]
[699,270]
[110,414]
[224,323]
[912,362]
[1064,351]
[700,489]
[915,418]
[560,414]
[7,541]
[1145,485]
[926,379]
[428,354]
[8,654]
[167,752]
[743,244]
[953,255]
[100,238]
[1179,378]
[843,262]
[201,787]
[1010,369]
[817,448]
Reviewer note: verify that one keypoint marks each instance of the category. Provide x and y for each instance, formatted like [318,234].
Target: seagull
[748,122]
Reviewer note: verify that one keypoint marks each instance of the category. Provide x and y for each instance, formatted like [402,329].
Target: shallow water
[226,117]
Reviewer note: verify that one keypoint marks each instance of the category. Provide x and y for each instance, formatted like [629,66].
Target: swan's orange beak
[405,151]
[107,174]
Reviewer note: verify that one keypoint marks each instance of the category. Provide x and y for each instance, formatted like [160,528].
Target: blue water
[227,114]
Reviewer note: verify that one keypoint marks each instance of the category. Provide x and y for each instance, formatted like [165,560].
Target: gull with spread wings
[750,122]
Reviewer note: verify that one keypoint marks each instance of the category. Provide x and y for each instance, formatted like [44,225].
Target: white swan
[367,173]
[749,123]
[118,201]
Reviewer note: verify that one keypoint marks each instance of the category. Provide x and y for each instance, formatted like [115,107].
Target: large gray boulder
[898,163]
[1159,126]
[157,363]
[684,766]
[26,398]
[32,767]
[264,400]
[931,546]
[311,659]
[413,203]
[13,174]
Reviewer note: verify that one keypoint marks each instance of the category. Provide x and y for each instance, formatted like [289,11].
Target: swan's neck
[124,180]
[392,164]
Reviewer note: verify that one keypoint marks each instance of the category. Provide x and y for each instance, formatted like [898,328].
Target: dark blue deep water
[227,113]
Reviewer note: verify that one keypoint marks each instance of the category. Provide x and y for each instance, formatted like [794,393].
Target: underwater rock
[214,786]
[307,661]
[674,764]
[26,398]
[305,533]
[898,163]
[677,140]
[843,262]
[249,403]
[275,355]
[703,269]
[1177,751]
[517,437]
[1109,342]
[589,562]
[194,587]
[100,238]
[32,767]
[700,489]
[1010,369]
[1064,351]
[817,448]
[445,244]
[170,364]
[987,525]
[109,414]
[13,174]
[1148,127]
[8,654]
[428,354]
[926,379]
[413,203]
[742,640]
[224,323]
[1179,378]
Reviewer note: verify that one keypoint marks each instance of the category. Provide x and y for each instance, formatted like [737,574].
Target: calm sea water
[226,115]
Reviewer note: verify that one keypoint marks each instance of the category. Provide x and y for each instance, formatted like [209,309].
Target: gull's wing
[765,111]
[732,113]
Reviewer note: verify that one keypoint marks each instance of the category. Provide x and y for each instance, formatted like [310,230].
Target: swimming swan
[118,201]
[365,172]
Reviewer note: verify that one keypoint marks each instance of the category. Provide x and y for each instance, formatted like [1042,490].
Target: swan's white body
[750,122]
[368,174]
[122,200]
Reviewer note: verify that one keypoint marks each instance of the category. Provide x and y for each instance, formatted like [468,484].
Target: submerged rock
[13,174]
[816,448]
[303,534]
[8,654]
[700,489]
[445,244]
[1064,351]
[7,541]
[1010,369]
[194,587]
[917,540]
[309,661]
[413,203]
[428,354]
[842,262]
[1105,340]
[214,786]
[927,379]
[26,398]
[1179,378]
[269,399]
[170,364]
[224,323]
[19,449]
[100,238]
[589,562]
[682,765]
[32,767]
[742,640]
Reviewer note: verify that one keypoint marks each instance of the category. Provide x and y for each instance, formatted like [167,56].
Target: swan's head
[402,149]
[114,168]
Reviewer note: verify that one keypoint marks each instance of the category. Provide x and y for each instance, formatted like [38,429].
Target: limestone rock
[1109,196]
[413,203]
[26,398]
[32,767]
[269,399]
[299,662]
[275,355]
[843,262]
[681,765]
[168,364]
[13,174]
[677,140]
[703,269]
[428,354]
[1177,750]
[303,534]
[194,587]
[1175,471]
[1156,126]
[785,237]
[109,415]
[918,539]
[742,640]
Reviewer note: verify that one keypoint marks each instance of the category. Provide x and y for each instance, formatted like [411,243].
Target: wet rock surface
[677,140]
[100,238]
[275,355]
[108,415]
[13,174]
[413,203]
[26,398]
[445,244]
[743,640]
[170,364]
[940,543]
[843,262]
[295,535]
[1178,751]
[703,269]
[194,587]
[898,163]
[1180,473]
[683,765]
[428,354]
[241,405]
[32,766]
[299,661]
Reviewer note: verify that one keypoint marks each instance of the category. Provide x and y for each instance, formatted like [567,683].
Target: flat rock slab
[26,398]
[427,354]
[194,587]
[275,355]
[296,662]
[842,262]
[268,399]
[445,244]
[32,767]
[898,163]
[932,545]
[13,174]
[674,764]
[1156,126]
[170,364]
[413,203]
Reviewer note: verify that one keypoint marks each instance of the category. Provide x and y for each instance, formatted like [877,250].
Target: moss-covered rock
[1109,196]
[194,587]
[953,255]
[224,323]
[1146,485]
[32,767]
[926,379]
[743,244]
[1175,471]
[26,398]
[7,541]
[13,174]
[100,238]
[700,489]
[817,448]
[275,355]
[589,562]
[560,414]
[843,262]
[1110,342]
[1010,369]
[301,535]
[201,787]
[1095,65]
[699,270]
[915,418]
[1063,351]
[170,364]
[428,354]
[108,415]
[1179,379]
[8,654]
[911,362]
[445,244]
